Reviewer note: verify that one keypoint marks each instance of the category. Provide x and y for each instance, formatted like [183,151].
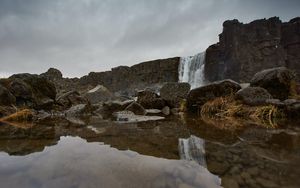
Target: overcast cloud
[79,36]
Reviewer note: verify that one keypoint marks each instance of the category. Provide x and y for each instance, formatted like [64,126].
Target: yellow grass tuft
[227,108]
[20,116]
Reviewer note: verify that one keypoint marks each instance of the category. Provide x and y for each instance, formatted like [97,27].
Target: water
[149,154]
[191,70]
[192,149]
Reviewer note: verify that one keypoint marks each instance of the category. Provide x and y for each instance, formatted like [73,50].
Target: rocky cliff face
[123,78]
[138,76]
[244,49]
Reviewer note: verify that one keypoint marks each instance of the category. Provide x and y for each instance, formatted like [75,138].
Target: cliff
[123,78]
[244,49]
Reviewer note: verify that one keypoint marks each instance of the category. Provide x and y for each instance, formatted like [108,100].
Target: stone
[277,81]
[275,102]
[174,92]
[6,98]
[153,111]
[78,110]
[130,117]
[166,110]
[22,91]
[150,100]
[253,96]
[43,90]
[228,182]
[6,110]
[71,98]
[53,74]
[99,94]
[136,108]
[265,183]
[245,49]
[199,96]
[108,108]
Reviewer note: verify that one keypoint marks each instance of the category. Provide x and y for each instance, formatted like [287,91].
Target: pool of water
[147,154]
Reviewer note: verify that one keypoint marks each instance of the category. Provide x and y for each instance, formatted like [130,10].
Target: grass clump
[228,108]
[20,116]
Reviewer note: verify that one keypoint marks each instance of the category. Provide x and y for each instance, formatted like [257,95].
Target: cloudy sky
[79,36]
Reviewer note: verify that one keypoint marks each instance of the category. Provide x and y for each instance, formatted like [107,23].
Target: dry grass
[227,108]
[294,90]
[20,116]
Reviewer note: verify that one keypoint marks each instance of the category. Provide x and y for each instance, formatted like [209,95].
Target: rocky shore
[272,94]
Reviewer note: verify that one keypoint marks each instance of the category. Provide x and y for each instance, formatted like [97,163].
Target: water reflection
[73,162]
[248,156]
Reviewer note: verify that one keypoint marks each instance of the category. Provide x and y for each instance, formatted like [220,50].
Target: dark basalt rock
[174,92]
[43,91]
[6,98]
[199,96]
[253,96]
[277,81]
[245,49]
[136,108]
[71,98]
[150,100]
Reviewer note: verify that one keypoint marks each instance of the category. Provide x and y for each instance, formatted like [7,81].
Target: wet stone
[228,182]
[266,183]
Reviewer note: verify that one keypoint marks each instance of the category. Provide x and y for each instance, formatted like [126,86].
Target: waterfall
[191,70]
[192,149]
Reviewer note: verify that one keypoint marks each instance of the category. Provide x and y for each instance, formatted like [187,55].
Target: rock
[228,182]
[123,115]
[71,98]
[53,74]
[22,91]
[153,111]
[43,91]
[275,102]
[150,100]
[99,94]
[266,183]
[129,117]
[136,108]
[108,108]
[277,81]
[253,96]
[174,92]
[245,49]
[199,96]
[79,110]
[292,107]
[6,98]
[6,110]
[139,76]
[166,110]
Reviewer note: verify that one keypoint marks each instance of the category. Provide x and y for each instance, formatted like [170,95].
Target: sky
[80,36]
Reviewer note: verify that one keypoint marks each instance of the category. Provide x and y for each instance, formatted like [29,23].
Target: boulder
[99,94]
[6,110]
[71,98]
[166,110]
[253,96]
[277,81]
[199,96]
[108,108]
[136,108]
[79,110]
[174,92]
[130,117]
[43,90]
[53,74]
[292,108]
[22,91]
[6,98]
[150,100]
